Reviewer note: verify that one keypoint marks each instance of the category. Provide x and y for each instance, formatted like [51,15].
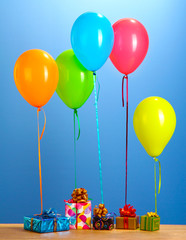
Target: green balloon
[75,81]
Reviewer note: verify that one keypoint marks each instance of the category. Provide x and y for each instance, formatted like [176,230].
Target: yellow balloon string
[39,154]
[156,160]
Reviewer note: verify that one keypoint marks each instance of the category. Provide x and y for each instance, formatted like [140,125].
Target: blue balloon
[92,39]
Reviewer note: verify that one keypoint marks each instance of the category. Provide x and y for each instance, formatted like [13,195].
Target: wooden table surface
[16,231]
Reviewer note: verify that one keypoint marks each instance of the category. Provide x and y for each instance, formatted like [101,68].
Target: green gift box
[149,223]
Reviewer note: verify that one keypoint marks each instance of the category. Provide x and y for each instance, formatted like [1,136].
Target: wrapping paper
[127,222]
[40,225]
[103,223]
[149,223]
[79,214]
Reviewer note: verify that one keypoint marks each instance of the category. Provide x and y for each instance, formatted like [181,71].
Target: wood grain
[16,231]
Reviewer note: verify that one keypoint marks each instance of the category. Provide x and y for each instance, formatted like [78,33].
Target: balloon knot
[155,159]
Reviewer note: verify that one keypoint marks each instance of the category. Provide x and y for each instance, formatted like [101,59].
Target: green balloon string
[76,114]
[156,160]
[75,139]
[97,122]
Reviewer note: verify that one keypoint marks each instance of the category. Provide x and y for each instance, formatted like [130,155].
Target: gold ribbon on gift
[55,225]
[79,195]
[100,211]
[31,224]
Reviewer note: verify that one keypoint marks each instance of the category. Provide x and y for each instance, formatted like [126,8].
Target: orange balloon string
[39,154]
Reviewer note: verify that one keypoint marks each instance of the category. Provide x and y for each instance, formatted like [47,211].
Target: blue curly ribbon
[111,214]
[98,88]
[49,213]
[99,151]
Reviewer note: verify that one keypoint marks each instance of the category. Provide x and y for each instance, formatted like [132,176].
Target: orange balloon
[36,76]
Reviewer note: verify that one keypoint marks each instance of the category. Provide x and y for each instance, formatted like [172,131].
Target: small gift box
[78,209]
[128,218]
[150,222]
[103,223]
[102,220]
[48,221]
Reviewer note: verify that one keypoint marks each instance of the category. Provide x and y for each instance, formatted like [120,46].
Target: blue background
[46,25]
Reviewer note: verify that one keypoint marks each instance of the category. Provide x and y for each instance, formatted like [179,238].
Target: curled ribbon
[156,160]
[77,117]
[99,151]
[96,79]
[152,214]
[127,211]
[49,213]
[39,154]
[98,89]
[79,195]
[69,201]
[111,214]
[100,211]
[125,77]
[75,139]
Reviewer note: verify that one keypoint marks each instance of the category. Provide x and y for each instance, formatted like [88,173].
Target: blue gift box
[48,221]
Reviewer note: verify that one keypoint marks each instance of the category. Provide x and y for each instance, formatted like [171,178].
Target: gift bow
[100,211]
[79,195]
[127,211]
[152,214]
[49,213]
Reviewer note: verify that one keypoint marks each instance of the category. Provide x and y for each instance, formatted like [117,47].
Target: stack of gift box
[78,216]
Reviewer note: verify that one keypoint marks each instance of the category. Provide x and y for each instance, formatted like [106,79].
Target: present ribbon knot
[100,211]
[152,214]
[127,211]
[79,195]
[49,213]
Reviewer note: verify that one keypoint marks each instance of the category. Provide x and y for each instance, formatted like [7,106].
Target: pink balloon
[131,44]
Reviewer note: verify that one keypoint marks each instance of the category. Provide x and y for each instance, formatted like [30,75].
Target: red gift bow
[69,201]
[127,211]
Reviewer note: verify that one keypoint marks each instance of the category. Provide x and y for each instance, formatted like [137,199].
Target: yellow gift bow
[152,214]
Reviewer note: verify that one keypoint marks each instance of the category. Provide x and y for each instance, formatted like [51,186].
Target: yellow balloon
[154,124]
